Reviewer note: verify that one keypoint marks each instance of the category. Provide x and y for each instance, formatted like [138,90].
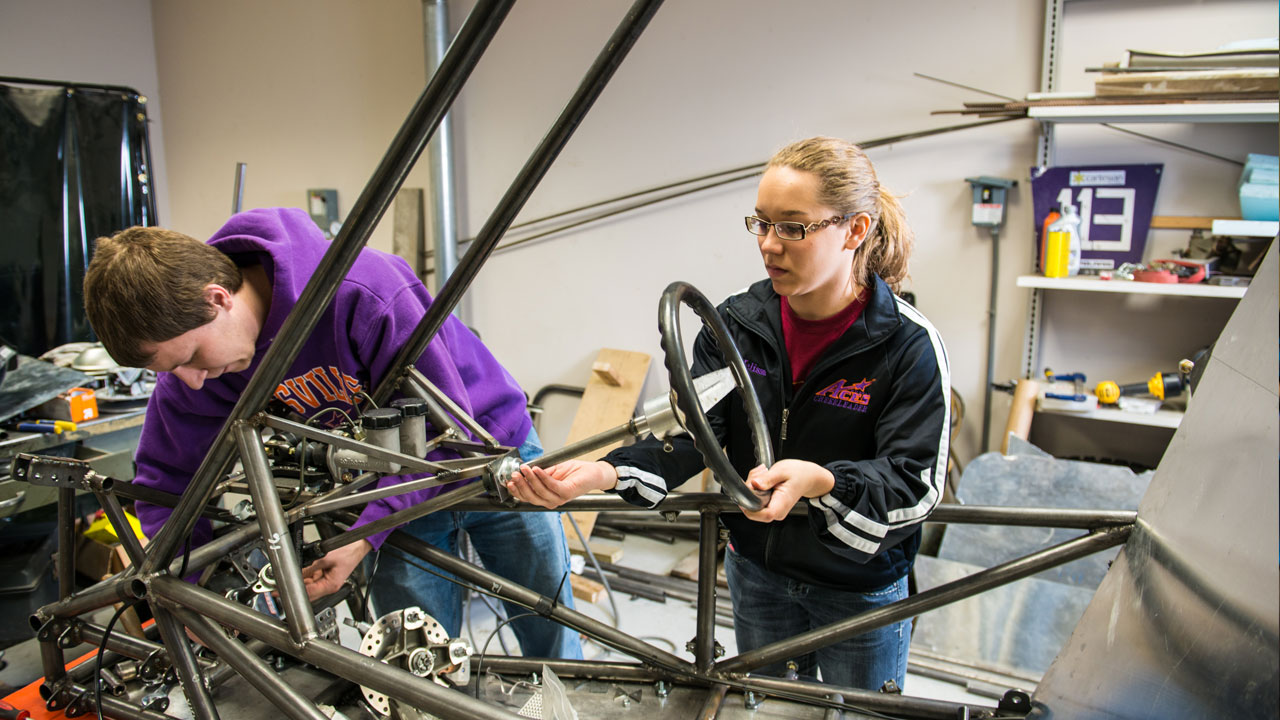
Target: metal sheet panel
[1015,629]
[1186,623]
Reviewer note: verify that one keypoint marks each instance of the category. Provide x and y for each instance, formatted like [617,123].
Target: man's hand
[324,576]
[558,484]
[790,480]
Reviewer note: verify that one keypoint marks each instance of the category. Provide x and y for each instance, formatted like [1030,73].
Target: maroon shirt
[806,339]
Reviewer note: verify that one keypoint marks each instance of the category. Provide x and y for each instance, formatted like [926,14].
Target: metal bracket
[52,472]
[1015,701]
[495,480]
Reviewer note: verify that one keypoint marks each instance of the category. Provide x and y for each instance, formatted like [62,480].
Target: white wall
[309,94]
[713,86]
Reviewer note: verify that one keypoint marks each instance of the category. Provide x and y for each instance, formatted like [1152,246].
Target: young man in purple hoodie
[203,315]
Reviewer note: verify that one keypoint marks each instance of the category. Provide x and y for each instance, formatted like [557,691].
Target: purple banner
[1115,203]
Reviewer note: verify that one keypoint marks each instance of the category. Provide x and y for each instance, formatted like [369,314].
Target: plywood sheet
[608,401]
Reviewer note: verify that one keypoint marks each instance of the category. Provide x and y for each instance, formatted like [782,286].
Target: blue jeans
[527,548]
[768,607]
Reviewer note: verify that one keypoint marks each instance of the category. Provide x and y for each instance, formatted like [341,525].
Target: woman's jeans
[768,607]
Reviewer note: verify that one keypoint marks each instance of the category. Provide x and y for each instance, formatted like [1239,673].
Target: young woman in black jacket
[855,386]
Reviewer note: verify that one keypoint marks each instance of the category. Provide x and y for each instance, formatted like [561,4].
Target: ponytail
[888,250]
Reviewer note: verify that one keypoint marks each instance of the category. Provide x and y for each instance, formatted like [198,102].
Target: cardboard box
[77,405]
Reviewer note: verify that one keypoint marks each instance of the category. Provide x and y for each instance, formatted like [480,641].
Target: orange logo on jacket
[307,392]
[842,393]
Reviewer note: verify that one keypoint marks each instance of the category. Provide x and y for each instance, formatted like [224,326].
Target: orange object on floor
[28,698]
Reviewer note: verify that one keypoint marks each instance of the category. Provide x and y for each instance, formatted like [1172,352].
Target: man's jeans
[527,548]
[768,607]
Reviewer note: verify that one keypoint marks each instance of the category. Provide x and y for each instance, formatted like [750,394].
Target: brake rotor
[415,642]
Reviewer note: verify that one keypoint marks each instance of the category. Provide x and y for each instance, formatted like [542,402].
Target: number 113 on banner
[1115,203]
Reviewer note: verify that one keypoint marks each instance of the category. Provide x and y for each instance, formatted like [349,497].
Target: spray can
[1062,248]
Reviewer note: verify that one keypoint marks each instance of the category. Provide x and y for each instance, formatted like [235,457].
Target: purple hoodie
[372,315]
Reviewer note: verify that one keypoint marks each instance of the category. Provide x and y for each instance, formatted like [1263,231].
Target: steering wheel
[694,417]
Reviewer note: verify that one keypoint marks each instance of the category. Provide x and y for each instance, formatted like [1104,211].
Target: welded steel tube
[415,377]
[408,463]
[705,640]
[215,550]
[122,586]
[711,706]
[611,503]
[115,515]
[615,671]
[451,292]
[114,707]
[252,668]
[525,597]
[119,642]
[66,564]
[329,505]
[474,36]
[969,586]
[418,692]
[52,661]
[573,450]
[898,705]
[1032,517]
[435,412]
[275,528]
[949,514]
[400,517]
[184,662]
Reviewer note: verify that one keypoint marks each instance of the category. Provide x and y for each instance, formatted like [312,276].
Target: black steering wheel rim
[686,398]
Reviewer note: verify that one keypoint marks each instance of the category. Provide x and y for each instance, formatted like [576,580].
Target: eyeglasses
[790,230]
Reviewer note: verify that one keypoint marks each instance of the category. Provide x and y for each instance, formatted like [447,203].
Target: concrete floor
[666,625]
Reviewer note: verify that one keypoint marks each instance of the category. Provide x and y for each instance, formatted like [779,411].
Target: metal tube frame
[176,603]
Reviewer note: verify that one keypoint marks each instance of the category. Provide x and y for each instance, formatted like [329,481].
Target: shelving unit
[1112,326]
[1226,112]
[1162,418]
[1089,283]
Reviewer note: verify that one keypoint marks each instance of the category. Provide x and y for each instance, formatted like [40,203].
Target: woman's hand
[554,486]
[790,481]
[324,576]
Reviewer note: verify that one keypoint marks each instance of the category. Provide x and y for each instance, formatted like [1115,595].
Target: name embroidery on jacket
[305,393]
[844,394]
[754,368]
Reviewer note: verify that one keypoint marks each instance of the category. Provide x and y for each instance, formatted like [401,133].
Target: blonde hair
[145,285]
[847,183]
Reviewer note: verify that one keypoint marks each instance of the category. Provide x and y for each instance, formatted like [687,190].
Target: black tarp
[74,166]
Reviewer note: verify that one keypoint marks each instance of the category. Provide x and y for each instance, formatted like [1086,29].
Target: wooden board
[610,552]
[586,588]
[687,568]
[1206,83]
[604,406]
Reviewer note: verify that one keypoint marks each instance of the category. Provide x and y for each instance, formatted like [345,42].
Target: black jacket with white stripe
[874,411]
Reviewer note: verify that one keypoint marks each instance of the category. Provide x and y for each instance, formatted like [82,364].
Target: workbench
[107,443]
